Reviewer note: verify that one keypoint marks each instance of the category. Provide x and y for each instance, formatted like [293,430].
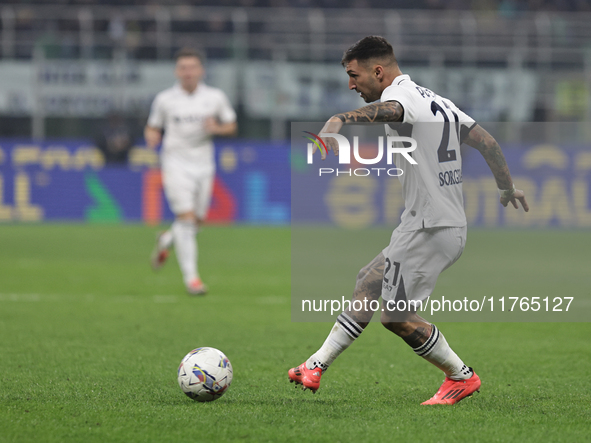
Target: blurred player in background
[432,232]
[190,114]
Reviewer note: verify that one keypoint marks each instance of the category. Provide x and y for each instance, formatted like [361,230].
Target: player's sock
[436,351]
[185,245]
[165,239]
[343,333]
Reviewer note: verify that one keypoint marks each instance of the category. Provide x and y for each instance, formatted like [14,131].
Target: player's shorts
[415,259]
[187,188]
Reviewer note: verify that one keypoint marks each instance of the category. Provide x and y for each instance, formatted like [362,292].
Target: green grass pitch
[91,339]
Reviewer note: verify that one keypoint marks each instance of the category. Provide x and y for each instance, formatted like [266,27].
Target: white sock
[343,333]
[185,244]
[165,240]
[436,351]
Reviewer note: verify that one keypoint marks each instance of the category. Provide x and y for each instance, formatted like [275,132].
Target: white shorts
[415,259]
[187,188]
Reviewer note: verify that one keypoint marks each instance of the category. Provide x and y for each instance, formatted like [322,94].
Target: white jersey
[182,115]
[432,189]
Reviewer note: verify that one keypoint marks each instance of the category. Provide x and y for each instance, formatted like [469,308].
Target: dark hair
[188,52]
[369,48]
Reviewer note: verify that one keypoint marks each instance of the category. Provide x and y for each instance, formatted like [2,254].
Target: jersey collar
[400,79]
[188,94]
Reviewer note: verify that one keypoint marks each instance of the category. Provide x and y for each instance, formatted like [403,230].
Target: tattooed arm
[384,112]
[481,140]
[390,111]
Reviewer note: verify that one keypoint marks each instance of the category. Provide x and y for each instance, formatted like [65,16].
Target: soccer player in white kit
[432,232]
[190,114]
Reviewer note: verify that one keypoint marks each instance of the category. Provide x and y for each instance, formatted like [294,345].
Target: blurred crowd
[502,6]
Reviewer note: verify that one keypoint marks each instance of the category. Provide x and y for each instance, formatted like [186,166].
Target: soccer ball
[205,374]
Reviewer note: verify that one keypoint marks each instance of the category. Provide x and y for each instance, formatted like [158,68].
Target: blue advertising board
[555,179]
[67,180]
[266,183]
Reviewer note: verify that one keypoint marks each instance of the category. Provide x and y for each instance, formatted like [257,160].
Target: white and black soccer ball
[205,374]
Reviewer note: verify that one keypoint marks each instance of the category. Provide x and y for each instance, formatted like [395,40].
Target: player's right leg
[184,230]
[201,200]
[180,187]
[161,249]
[349,326]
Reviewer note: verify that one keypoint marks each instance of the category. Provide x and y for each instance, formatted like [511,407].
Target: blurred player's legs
[161,249]
[188,191]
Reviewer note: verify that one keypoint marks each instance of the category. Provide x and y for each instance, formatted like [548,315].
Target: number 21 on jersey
[443,153]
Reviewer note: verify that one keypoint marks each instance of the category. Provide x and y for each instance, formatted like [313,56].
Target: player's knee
[187,216]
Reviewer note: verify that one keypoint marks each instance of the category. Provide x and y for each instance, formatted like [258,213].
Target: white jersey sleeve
[157,116]
[225,111]
[405,98]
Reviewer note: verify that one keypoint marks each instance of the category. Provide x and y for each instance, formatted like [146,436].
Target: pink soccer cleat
[196,287]
[452,391]
[159,254]
[308,378]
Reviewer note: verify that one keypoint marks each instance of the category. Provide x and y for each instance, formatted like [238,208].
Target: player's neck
[190,89]
[390,76]
[395,73]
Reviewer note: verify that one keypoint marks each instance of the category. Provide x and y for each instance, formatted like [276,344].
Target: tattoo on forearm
[417,338]
[376,112]
[481,140]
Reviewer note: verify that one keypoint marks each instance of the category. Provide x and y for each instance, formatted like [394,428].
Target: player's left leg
[417,260]
[180,187]
[184,230]
[348,327]
[201,200]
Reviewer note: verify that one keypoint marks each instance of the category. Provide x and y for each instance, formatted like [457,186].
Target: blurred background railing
[64,67]
[436,38]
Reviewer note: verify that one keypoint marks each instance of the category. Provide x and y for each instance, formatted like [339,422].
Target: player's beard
[368,95]
[367,98]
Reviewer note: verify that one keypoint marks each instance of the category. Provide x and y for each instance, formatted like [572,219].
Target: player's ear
[378,72]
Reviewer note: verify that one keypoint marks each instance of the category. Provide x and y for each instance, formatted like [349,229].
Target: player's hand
[333,125]
[153,137]
[518,195]
[211,126]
